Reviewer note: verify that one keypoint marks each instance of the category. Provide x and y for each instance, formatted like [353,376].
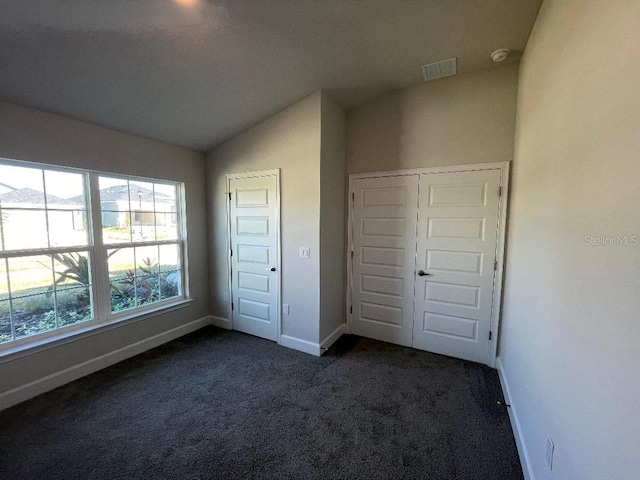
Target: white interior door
[384,243]
[253,222]
[457,236]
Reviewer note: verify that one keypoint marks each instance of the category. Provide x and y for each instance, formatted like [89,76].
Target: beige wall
[290,141]
[570,339]
[333,159]
[453,121]
[27,134]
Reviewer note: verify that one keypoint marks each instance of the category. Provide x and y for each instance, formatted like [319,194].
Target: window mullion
[1,229]
[46,211]
[181,218]
[13,325]
[44,251]
[99,261]
[55,291]
[149,243]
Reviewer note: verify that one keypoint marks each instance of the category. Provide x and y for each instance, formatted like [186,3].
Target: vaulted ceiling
[196,72]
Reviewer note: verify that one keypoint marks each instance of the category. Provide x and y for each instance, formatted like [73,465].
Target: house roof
[36,197]
[118,193]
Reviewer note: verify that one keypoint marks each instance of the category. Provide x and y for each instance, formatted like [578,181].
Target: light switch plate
[285,309]
[304,252]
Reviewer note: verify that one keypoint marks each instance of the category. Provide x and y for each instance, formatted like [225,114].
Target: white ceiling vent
[444,68]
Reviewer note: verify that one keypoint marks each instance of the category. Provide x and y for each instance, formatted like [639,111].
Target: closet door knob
[422,273]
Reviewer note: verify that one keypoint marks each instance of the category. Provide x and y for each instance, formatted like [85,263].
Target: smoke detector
[443,68]
[500,55]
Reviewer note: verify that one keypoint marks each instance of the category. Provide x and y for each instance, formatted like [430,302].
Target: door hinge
[490,334]
[351,309]
[353,197]
[232,306]
[500,191]
[229,196]
[231,252]
[351,253]
[495,265]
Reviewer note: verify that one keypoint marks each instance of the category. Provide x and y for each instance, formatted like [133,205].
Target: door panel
[384,229]
[253,223]
[456,247]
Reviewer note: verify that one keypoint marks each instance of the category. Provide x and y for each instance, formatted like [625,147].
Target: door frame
[278,283]
[498,278]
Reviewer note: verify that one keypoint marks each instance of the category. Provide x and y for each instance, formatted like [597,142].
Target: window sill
[39,345]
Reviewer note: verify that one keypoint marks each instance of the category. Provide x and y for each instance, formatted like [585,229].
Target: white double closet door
[423,266]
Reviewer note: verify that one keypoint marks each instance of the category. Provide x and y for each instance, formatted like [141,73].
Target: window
[61,268]
[141,236]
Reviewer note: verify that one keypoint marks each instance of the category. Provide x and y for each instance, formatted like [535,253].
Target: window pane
[147,261]
[64,190]
[116,227]
[141,195]
[166,208]
[30,275]
[72,269]
[167,226]
[5,322]
[116,216]
[170,284]
[165,193]
[142,211]
[169,258]
[143,227]
[67,228]
[33,315]
[22,187]
[123,297]
[114,191]
[170,277]
[4,286]
[121,262]
[74,306]
[24,229]
[122,278]
[147,275]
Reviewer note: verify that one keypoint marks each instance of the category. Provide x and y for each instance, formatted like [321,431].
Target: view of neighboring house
[30,226]
[124,205]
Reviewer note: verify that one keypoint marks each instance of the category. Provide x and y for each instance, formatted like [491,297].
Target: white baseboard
[300,345]
[515,424]
[57,379]
[221,322]
[332,337]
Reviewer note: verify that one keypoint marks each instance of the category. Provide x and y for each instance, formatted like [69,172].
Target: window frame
[100,289]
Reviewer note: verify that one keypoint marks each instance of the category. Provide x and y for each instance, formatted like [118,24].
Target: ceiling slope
[195,73]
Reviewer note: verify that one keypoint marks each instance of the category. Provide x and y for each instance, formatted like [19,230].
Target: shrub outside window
[51,248]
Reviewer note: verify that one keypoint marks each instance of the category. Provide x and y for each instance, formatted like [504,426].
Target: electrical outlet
[285,309]
[550,448]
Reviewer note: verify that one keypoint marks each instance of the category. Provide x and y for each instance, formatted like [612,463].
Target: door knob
[422,273]
[272,269]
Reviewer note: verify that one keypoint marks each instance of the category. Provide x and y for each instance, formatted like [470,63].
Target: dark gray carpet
[218,404]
